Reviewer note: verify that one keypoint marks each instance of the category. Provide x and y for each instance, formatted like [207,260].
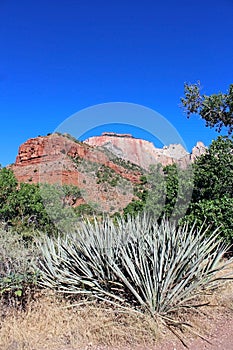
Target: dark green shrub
[212,200]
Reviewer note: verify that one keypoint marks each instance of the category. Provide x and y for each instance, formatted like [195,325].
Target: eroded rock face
[50,158]
[48,148]
[198,150]
[59,159]
[44,159]
[144,153]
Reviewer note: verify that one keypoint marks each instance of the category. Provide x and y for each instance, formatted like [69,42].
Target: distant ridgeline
[105,168]
[117,135]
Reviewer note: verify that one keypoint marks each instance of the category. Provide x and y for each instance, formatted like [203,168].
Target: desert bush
[163,191]
[134,263]
[213,188]
[17,275]
[78,263]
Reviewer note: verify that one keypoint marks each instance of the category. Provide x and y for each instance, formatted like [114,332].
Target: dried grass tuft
[53,323]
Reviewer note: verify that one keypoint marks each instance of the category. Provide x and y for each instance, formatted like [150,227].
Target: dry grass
[52,323]
[217,309]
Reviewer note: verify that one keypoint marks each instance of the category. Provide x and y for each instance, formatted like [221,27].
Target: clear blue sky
[58,57]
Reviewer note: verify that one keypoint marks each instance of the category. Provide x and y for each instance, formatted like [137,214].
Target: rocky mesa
[106,168]
[62,159]
[144,153]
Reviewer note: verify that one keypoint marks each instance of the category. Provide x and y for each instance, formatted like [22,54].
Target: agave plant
[151,267]
[167,267]
[79,262]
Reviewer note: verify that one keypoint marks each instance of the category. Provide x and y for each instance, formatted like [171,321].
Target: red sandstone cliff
[58,159]
[101,175]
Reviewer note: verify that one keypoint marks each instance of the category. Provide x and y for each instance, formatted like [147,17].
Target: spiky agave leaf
[166,267]
[77,264]
[158,268]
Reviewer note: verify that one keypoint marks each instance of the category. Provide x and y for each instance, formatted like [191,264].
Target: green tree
[213,171]
[155,196]
[179,188]
[216,213]
[133,208]
[60,212]
[150,193]
[212,201]
[8,188]
[164,191]
[30,206]
[216,109]
[29,209]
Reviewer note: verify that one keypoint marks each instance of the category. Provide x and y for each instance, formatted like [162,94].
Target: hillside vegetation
[147,264]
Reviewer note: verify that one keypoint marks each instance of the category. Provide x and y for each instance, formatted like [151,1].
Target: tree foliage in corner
[216,109]
[212,200]
[213,171]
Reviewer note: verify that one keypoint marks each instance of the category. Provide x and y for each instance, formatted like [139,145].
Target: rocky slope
[54,159]
[142,152]
[105,168]
[63,160]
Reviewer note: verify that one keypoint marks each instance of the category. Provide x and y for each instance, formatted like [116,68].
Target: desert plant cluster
[135,266]
[135,263]
[152,264]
